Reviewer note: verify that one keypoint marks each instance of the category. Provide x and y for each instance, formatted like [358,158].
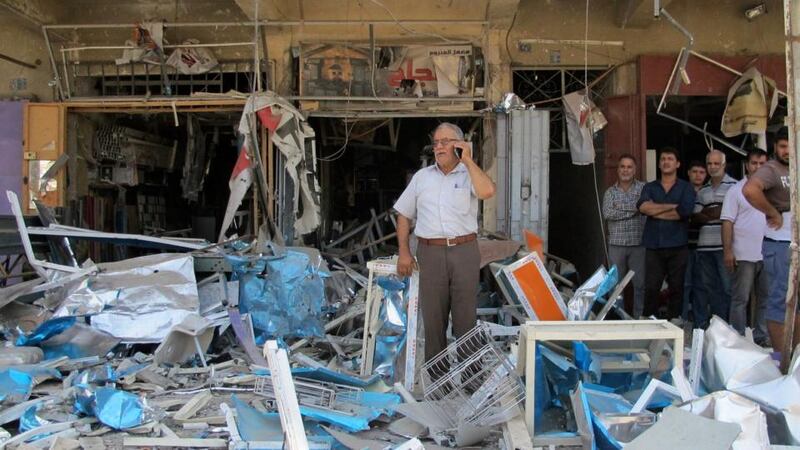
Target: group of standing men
[714,241]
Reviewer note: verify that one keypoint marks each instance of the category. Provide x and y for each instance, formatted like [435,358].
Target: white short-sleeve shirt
[444,206]
[749,224]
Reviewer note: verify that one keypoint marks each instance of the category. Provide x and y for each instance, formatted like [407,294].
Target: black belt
[775,240]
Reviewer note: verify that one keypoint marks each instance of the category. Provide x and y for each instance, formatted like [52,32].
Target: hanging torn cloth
[583,120]
[751,102]
[148,40]
[192,60]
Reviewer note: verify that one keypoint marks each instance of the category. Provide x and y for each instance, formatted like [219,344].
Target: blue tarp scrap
[332,376]
[118,409]
[560,373]
[542,389]
[391,335]
[15,386]
[604,402]
[31,421]
[45,331]
[586,362]
[611,279]
[95,396]
[254,425]
[285,295]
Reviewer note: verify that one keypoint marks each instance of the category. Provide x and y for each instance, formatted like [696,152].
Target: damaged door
[523,175]
[43,144]
[625,133]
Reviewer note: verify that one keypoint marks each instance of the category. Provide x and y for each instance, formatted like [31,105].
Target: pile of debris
[247,344]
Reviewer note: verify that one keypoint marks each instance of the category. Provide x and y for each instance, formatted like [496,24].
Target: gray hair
[452,127]
[718,152]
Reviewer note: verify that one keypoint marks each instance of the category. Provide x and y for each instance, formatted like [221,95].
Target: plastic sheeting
[138,299]
[731,361]
[45,331]
[560,373]
[391,334]
[118,409]
[598,285]
[729,407]
[254,425]
[284,295]
[15,386]
[112,407]
[612,413]
[79,341]
[30,420]
[783,395]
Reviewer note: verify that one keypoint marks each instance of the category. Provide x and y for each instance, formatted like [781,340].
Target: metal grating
[546,87]
[317,394]
[473,382]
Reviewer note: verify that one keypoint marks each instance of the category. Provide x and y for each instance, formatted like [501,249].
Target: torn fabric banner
[583,120]
[241,179]
[289,132]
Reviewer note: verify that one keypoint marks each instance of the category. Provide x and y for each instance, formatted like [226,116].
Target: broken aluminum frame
[647,394]
[382,267]
[179,244]
[612,299]
[680,67]
[696,359]
[288,407]
[513,291]
[38,265]
[317,394]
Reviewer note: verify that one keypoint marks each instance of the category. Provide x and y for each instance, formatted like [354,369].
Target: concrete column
[499,81]
[792,26]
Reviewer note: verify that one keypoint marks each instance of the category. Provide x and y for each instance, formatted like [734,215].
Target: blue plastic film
[118,409]
[15,386]
[46,330]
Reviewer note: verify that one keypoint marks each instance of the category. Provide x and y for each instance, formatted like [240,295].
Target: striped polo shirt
[710,238]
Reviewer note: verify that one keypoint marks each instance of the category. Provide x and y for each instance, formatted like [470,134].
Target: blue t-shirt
[659,233]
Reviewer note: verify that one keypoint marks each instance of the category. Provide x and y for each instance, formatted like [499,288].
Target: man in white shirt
[443,199]
[743,229]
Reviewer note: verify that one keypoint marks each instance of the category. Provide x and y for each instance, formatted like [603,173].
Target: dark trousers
[715,289]
[669,263]
[448,284]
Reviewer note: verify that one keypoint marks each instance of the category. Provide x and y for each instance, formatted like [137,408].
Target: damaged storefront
[207,250]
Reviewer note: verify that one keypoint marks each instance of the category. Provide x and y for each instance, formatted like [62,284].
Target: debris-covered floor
[282,348]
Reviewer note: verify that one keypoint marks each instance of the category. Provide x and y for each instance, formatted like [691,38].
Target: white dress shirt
[444,206]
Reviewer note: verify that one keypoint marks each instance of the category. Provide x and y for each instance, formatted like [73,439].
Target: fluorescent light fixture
[756,11]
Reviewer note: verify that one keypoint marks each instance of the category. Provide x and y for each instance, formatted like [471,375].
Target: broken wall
[719,27]
[23,40]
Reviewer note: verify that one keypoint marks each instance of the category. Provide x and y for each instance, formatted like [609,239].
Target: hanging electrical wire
[407,29]
[587,91]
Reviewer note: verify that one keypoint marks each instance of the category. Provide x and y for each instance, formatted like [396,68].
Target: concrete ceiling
[498,12]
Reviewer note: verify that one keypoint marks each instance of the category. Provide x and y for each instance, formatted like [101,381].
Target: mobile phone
[459,151]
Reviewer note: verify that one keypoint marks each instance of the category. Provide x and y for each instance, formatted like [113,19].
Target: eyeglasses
[443,142]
